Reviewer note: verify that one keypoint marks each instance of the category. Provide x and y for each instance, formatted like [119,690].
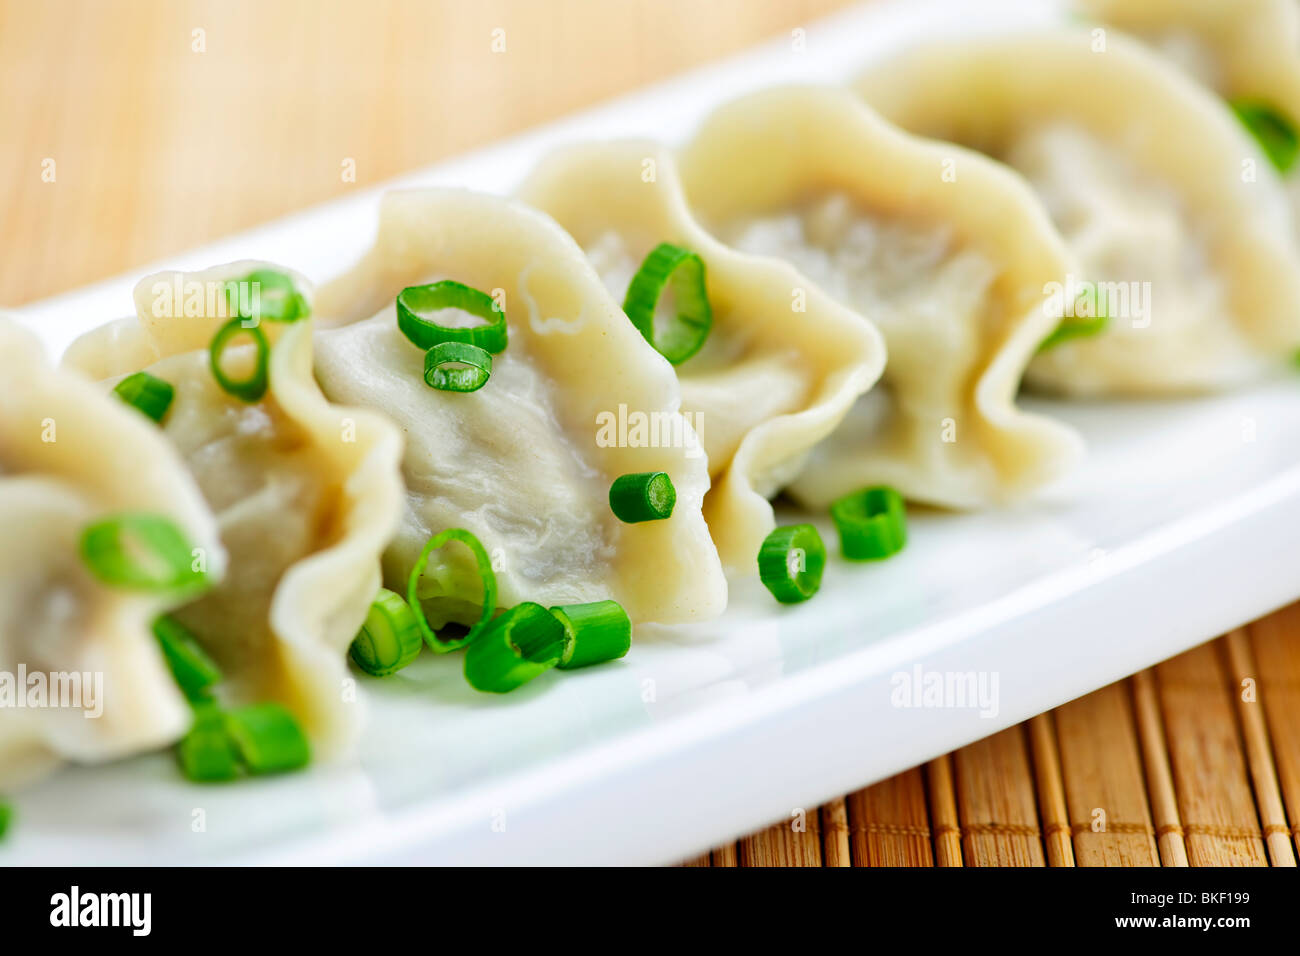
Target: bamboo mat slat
[1055,818]
[725,855]
[1214,796]
[1277,654]
[1259,755]
[996,804]
[1193,762]
[1160,777]
[890,824]
[835,834]
[797,842]
[943,812]
[1108,812]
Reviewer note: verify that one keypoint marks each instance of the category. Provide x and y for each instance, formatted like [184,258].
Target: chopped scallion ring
[872,523]
[195,672]
[594,633]
[6,818]
[684,335]
[424,332]
[643,496]
[791,561]
[457,367]
[267,738]
[252,388]
[278,298]
[1080,326]
[150,395]
[437,641]
[522,643]
[140,551]
[1276,135]
[390,637]
[207,754]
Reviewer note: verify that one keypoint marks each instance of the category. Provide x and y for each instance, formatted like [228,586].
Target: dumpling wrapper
[306,493]
[952,271]
[1162,196]
[525,462]
[1247,49]
[783,362]
[71,455]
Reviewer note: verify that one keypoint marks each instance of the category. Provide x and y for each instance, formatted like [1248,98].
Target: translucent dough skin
[525,462]
[792,170]
[1159,131]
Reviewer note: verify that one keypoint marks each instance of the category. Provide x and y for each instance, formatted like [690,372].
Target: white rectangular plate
[1178,527]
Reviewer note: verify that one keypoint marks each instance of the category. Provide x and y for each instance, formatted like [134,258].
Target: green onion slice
[140,551]
[1080,326]
[457,367]
[207,754]
[278,297]
[1276,135]
[390,637]
[643,496]
[150,395]
[872,523]
[424,332]
[267,738]
[6,818]
[443,642]
[195,672]
[252,388]
[790,563]
[594,633]
[683,335]
[522,643]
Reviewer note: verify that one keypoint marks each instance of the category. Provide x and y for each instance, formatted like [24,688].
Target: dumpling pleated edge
[106,458]
[776,145]
[320,601]
[669,570]
[1189,139]
[593,187]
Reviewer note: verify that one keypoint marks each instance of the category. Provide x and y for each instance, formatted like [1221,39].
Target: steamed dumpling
[525,463]
[946,253]
[783,362]
[306,495]
[1245,50]
[69,456]
[1164,200]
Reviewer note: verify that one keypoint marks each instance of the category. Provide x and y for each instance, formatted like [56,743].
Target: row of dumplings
[826,290]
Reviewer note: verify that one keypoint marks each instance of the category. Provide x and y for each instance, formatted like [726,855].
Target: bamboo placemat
[1195,762]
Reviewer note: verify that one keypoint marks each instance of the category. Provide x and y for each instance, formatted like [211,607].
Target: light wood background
[158,147]
[162,138]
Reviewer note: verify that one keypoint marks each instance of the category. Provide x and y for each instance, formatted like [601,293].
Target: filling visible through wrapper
[924,292]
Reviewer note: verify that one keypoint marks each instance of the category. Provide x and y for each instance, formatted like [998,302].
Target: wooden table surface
[138,128]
